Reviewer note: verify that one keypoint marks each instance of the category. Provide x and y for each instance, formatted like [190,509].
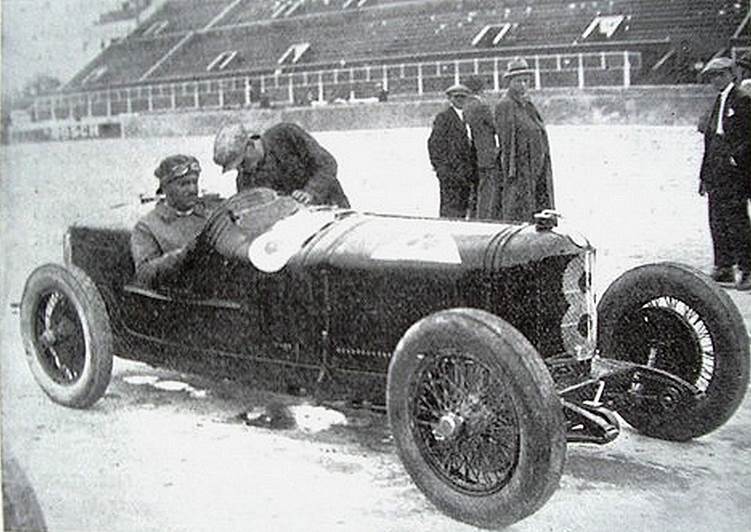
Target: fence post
[109,103]
[89,105]
[538,82]
[385,77]
[221,94]
[456,71]
[247,91]
[496,80]
[151,98]
[580,71]
[420,86]
[477,66]
[173,97]
[290,90]
[196,98]
[129,103]
[626,69]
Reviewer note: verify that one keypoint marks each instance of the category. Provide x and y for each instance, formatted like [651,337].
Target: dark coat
[453,160]
[295,161]
[526,173]
[479,116]
[718,174]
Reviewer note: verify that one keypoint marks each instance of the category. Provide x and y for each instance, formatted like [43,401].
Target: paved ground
[167,451]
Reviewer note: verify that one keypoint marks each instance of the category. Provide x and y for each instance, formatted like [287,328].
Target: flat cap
[229,146]
[457,89]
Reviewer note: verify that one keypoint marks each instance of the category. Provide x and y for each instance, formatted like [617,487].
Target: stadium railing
[407,79]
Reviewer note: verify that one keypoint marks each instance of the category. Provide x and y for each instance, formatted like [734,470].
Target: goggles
[185,169]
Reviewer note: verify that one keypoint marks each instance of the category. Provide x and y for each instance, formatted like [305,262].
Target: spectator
[526,173]
[743,72]
[724,176]
[284,158]
[163,240]
[382,93]
[479,116]
[452,156]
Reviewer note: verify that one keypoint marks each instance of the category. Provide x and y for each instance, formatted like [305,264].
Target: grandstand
[223,53]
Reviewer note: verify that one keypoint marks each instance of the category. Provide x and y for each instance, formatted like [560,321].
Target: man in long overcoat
[452,155]
[526,173]
[726,175]
[479,117]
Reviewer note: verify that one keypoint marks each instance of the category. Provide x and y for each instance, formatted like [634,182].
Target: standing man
[452,155]
[726,175]
[479,116]
[284,158]
[526,172]
[743,72]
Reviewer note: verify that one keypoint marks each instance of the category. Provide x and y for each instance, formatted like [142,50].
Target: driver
[162,240]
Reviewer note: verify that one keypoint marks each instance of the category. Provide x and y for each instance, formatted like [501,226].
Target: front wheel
[66,334]
[475,417]
[674,318]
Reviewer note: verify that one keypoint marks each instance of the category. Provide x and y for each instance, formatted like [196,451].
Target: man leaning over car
[162,240]
[284,158]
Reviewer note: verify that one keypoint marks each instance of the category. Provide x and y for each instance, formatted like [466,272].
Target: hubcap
[465,423]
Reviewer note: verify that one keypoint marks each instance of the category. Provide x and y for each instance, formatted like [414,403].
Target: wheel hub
[448,426]
[48,338]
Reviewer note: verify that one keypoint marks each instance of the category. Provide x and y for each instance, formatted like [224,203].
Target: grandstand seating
[379,31]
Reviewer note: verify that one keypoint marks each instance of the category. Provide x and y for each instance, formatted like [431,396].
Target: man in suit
[452,155]
[479,116]
[743,72]
[726,175]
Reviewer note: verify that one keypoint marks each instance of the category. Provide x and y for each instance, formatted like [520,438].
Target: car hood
[361,240]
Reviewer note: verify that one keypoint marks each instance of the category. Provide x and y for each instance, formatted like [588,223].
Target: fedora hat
[517,67]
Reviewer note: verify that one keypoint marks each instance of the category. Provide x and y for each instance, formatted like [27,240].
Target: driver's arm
[151,263]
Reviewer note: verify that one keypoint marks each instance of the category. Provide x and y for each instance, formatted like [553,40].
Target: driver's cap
[229,146]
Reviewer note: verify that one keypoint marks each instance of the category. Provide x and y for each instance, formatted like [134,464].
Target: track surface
[167,451]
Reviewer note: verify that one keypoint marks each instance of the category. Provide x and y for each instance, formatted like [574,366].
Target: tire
[699,336]
[67,335]
[501,415]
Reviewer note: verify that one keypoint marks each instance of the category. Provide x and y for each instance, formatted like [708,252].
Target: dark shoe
[743,282]
[722,274]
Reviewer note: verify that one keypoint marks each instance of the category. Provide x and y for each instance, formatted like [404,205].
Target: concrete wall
[671,105]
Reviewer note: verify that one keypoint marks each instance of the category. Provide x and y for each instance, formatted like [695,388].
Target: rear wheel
[674,318]
[475,417]
[67,335]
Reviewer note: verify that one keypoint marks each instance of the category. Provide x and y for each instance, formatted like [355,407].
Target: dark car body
[344,300]
[482,339]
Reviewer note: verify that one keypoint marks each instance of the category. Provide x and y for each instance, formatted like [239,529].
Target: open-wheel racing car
[482,339]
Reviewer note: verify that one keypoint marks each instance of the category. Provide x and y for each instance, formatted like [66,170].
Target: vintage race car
[482,339]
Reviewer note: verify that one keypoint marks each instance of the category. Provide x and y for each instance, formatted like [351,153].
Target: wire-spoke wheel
[475,417]
[673,318]
[67,336]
